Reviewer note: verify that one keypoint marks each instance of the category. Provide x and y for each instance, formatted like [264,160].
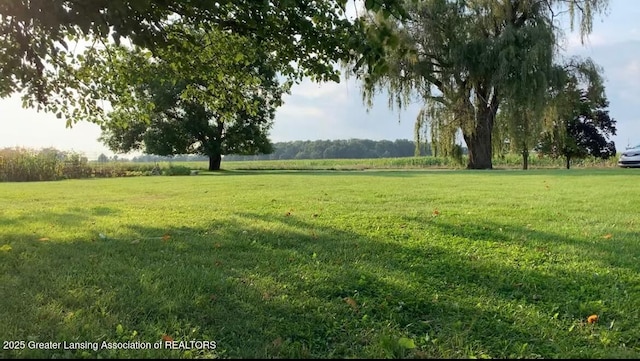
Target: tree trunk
[214,161]
[479,144]
[568,162]
[525,159]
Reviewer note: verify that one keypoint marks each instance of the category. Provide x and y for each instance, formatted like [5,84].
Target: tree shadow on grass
[619,249]
[265,286]
[537,277]
[70,218]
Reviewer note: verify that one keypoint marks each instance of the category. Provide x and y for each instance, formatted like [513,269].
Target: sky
[336,111]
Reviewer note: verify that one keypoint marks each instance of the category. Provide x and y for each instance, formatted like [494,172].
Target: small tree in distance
[103,158]
[579,122]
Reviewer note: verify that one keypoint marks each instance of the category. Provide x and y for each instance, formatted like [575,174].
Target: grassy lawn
[510,161]
[434,264]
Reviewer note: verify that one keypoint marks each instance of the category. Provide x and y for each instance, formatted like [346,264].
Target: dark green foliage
[177,170]
[337,149]
[587,134]
[220,100]
[580,125]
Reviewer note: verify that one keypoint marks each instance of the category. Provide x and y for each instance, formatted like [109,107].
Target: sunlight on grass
[427,264]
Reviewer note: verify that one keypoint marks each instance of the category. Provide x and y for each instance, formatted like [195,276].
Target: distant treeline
[315,149]
[335,149]
[146,158]
[312,149]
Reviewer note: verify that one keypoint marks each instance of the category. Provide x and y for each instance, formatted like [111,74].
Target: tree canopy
[219,100]
[464,59]
[38,57]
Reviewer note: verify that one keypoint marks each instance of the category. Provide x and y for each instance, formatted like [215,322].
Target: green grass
[374,264]
[510,161]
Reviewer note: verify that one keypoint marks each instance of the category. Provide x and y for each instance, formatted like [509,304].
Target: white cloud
[625,76]
[633,69]
[574,43]
[330,90]
[294,111]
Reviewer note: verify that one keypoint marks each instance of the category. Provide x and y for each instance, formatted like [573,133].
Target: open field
[438,264]
[510,161]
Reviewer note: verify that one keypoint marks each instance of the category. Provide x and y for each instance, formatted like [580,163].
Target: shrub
[76,166]
[24,165]
[177,170]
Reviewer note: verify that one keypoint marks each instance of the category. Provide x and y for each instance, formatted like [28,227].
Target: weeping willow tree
[466,58]
[519,133]
[519,124]
[441,134]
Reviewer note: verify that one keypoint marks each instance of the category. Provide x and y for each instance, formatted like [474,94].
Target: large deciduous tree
[38,57]
[577,120]
[219,100]
[465,58]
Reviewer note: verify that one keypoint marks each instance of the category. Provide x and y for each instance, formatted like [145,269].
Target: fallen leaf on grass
[166,237]
[436,212]
[167,338]
[406,343]
[351,302]
[607,236]
[592,319]
[277,342]
[43,239]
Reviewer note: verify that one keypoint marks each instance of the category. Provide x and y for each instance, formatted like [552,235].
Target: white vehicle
[630,158]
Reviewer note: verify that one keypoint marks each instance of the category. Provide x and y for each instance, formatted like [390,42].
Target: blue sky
[336,111]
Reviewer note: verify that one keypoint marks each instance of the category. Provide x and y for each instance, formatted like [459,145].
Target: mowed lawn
[322,264]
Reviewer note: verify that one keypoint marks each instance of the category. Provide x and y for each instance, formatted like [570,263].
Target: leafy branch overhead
[40,53]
